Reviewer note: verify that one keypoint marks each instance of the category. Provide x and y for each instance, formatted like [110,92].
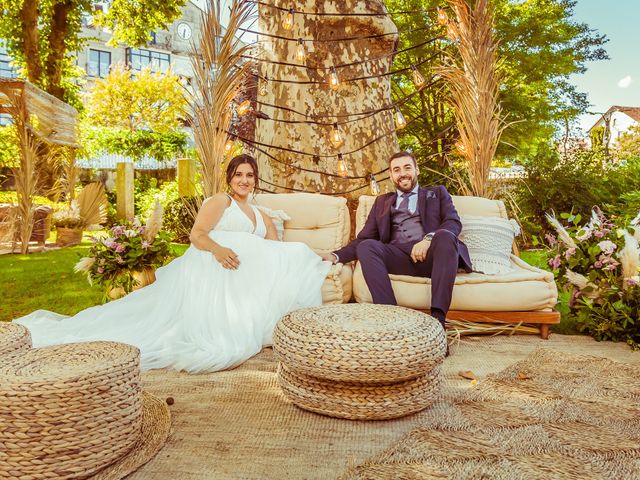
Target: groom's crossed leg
[378,260]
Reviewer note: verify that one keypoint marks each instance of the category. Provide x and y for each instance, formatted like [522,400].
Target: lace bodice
[235,220]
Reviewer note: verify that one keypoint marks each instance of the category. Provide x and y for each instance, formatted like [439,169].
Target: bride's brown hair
[238,160]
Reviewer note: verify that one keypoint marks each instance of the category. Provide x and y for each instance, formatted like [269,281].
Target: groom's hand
[419,251]
[328,257]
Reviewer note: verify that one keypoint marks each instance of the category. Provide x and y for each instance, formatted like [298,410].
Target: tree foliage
[43,36]
[628,145]
[540,46]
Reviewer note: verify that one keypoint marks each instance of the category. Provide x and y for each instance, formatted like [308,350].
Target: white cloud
[625,82]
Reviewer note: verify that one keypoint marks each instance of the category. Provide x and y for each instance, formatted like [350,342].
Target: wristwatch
[428,237]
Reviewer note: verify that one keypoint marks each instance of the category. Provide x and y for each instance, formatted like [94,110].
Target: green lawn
[46,281]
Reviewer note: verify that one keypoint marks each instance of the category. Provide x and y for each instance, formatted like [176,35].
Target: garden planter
[68,236]
[144,278]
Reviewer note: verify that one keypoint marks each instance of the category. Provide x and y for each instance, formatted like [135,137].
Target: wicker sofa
[525,294]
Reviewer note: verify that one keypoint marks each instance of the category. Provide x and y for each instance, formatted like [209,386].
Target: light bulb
[375,188]
[300,53]
[443,18]
[400,120]
[336,136]
[244,107]
[287,21]
[461,147]
[229,145]
[418,79]
[334,82]
[342,166]
[262,87]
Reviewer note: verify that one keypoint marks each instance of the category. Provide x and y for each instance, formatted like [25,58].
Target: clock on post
[184,31]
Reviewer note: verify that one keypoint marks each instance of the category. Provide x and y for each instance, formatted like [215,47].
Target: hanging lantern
[336,137]
[342,166]
[262,86]
[418,79]
[400,120]
[334,82]
[443,18]
[300,53]
[243,107]
[287,21]
[374,187]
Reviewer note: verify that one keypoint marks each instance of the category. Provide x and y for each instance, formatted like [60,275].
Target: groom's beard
[414,182]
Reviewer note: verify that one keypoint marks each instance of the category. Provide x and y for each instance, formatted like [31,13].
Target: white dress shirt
[413,199]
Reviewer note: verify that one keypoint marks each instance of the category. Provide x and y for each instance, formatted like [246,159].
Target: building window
[6,70]
[138,58]
[99,63]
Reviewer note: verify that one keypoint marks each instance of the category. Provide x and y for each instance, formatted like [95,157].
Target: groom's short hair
[403,153]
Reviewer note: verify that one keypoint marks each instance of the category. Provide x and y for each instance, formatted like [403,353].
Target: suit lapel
[385,218]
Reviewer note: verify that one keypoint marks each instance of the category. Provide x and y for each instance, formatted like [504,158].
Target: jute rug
[237,424]
[552,415]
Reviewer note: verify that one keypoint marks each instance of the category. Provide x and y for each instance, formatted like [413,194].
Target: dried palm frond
[563,235]
[219,72]
[154,222]
[629,256]
[92,202]
[474,83]
[84,264]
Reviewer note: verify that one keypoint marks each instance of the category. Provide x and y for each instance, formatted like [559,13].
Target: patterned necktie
[404,203]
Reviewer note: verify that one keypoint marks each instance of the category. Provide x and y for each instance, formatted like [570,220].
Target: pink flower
[598,234]
[570,253]
[607,247]
[119,259]
[632,282]
[119,248]
[118,230]
[100,270]
[551,240]
[555,262]
[145,244]
[597,264]
[611,266]
[108,242]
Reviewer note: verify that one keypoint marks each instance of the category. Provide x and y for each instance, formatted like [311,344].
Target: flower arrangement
[598,263]
[89,209]
[130,248]
[69,217]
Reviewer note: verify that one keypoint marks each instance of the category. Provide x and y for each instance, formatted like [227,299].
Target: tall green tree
[540,46]
[43,36]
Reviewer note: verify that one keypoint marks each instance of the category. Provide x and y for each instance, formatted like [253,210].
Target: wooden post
[124,190]
[186,177]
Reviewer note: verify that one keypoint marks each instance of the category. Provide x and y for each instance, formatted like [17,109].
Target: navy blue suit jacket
[436,210]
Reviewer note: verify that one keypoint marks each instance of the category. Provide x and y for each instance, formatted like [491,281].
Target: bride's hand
[227,258]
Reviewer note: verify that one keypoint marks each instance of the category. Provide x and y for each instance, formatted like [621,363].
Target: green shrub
[144,201]
[179,217]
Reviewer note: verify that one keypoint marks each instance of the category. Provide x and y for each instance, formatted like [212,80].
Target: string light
[334,81]
[336,136]
[443,18]
[342,166]
[373,186]
[300,53]
[244,107]
[461,148]
[262,86]
[418,79]
[401,122]
[287,21]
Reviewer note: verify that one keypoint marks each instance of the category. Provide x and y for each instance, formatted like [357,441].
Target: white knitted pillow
[490,242]
[278,218]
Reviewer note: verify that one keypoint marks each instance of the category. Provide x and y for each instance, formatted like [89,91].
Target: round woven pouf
[69,410]
[359,342]
[357,401]
[13,338]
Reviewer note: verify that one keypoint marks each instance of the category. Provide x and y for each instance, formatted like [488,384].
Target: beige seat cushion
[322,222]
[524,288]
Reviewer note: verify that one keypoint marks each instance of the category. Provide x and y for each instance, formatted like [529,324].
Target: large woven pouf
[69,410]
[13,338]
[359,360]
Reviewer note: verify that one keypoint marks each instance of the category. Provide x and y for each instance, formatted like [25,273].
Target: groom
[413,231]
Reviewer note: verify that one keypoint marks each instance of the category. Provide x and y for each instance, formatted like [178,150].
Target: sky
[615,81]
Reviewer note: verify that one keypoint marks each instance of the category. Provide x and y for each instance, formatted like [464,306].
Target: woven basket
[68,236]
[69,410]
[13,338]
[359,342]
[360,402]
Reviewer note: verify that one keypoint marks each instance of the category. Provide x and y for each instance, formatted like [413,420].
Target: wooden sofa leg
[544,331]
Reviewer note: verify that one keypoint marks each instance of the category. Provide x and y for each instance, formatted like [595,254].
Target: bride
[215,306]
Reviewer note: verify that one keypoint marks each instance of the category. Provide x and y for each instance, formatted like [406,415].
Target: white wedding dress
[198,316]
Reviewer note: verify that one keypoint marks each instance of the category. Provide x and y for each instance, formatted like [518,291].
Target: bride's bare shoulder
[217,200]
